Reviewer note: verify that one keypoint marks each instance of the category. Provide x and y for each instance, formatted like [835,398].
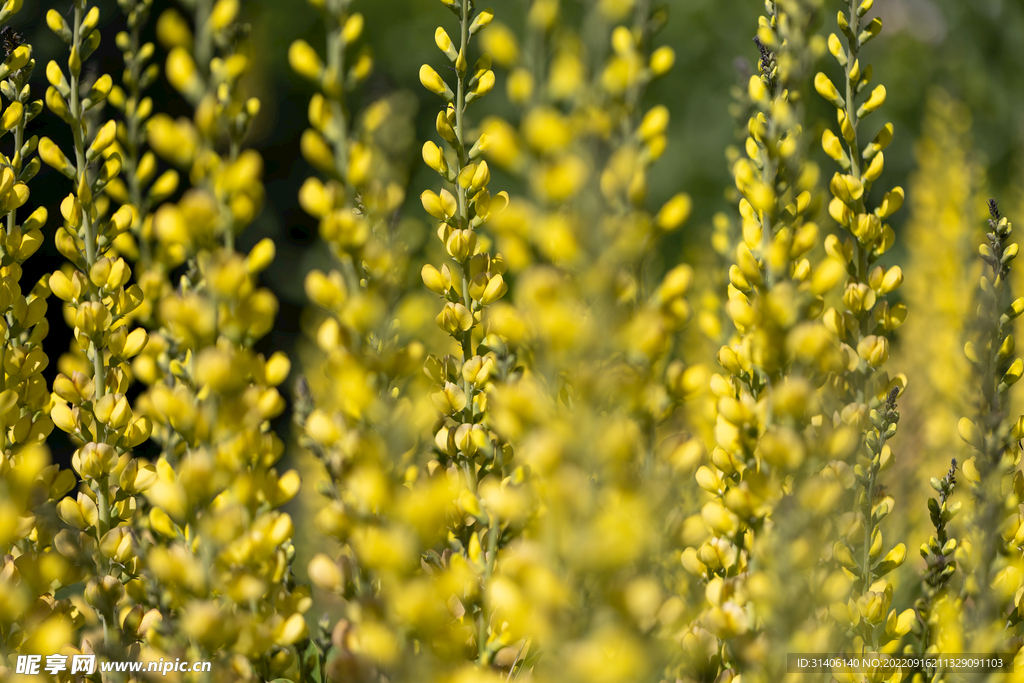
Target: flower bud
[53,156]
[305,61]
[436,281]
[827,89]
[104,594]
[876,100]
[674,213]
[483,86]
[662,60]
[353,28]
[433,82]
[444,43]
[455,318]
[94,460]
[461,244]
[874,350]
[326,574]
[450,400]
[261,256]
[434,158]
[92,319]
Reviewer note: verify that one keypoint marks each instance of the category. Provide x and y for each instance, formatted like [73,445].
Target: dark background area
[971,49]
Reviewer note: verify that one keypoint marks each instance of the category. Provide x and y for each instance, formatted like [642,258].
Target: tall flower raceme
[995,531]
[26,420]
[575,116]
[939,627]
[770,487]
[474,455]
[866,393]
[141,187]
[941,265]
[941,232]
[614,379]
[89,395]
[601,337]
[34,549]
[363,416]
[217,547]
[567,101]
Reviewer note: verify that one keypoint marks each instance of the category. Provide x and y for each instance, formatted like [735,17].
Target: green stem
[336,64]
[78,132]
[132,159]
[851,108]
[492,552]
[460,106]
[204,35]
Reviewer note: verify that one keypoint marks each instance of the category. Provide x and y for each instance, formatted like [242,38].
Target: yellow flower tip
[434,158]
[305,61]
[327,291]
[892,560]
[277,368]
[482,87]
[970,469]
[437,281]
[104,138]
[444,43]
[904,622]
[455,318]
[441,206]
[654,123]
[500,42]
[662,61]
[827,89]
[19,57]
[51,154]
[173,31]
[876,100]
[482,20]
[261,256]
[224,13]
[183,74]
[874,169]
[873,350]
[970,433]
[55,21]
[1013,374]
[316,151]
[623,41]
[433,82]
[291,631]
[756,91]
[326,574]
[674,213]
[832,146]
[892,202]
[353,28]
[520,86]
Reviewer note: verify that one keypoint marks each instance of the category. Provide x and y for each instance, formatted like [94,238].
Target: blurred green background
[971,48]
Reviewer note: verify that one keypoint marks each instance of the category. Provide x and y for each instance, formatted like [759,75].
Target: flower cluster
[38,554]
[90,399]
[992,472]
[218,548]
[522,468]
[866,394]
[770,480]
[472,454]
